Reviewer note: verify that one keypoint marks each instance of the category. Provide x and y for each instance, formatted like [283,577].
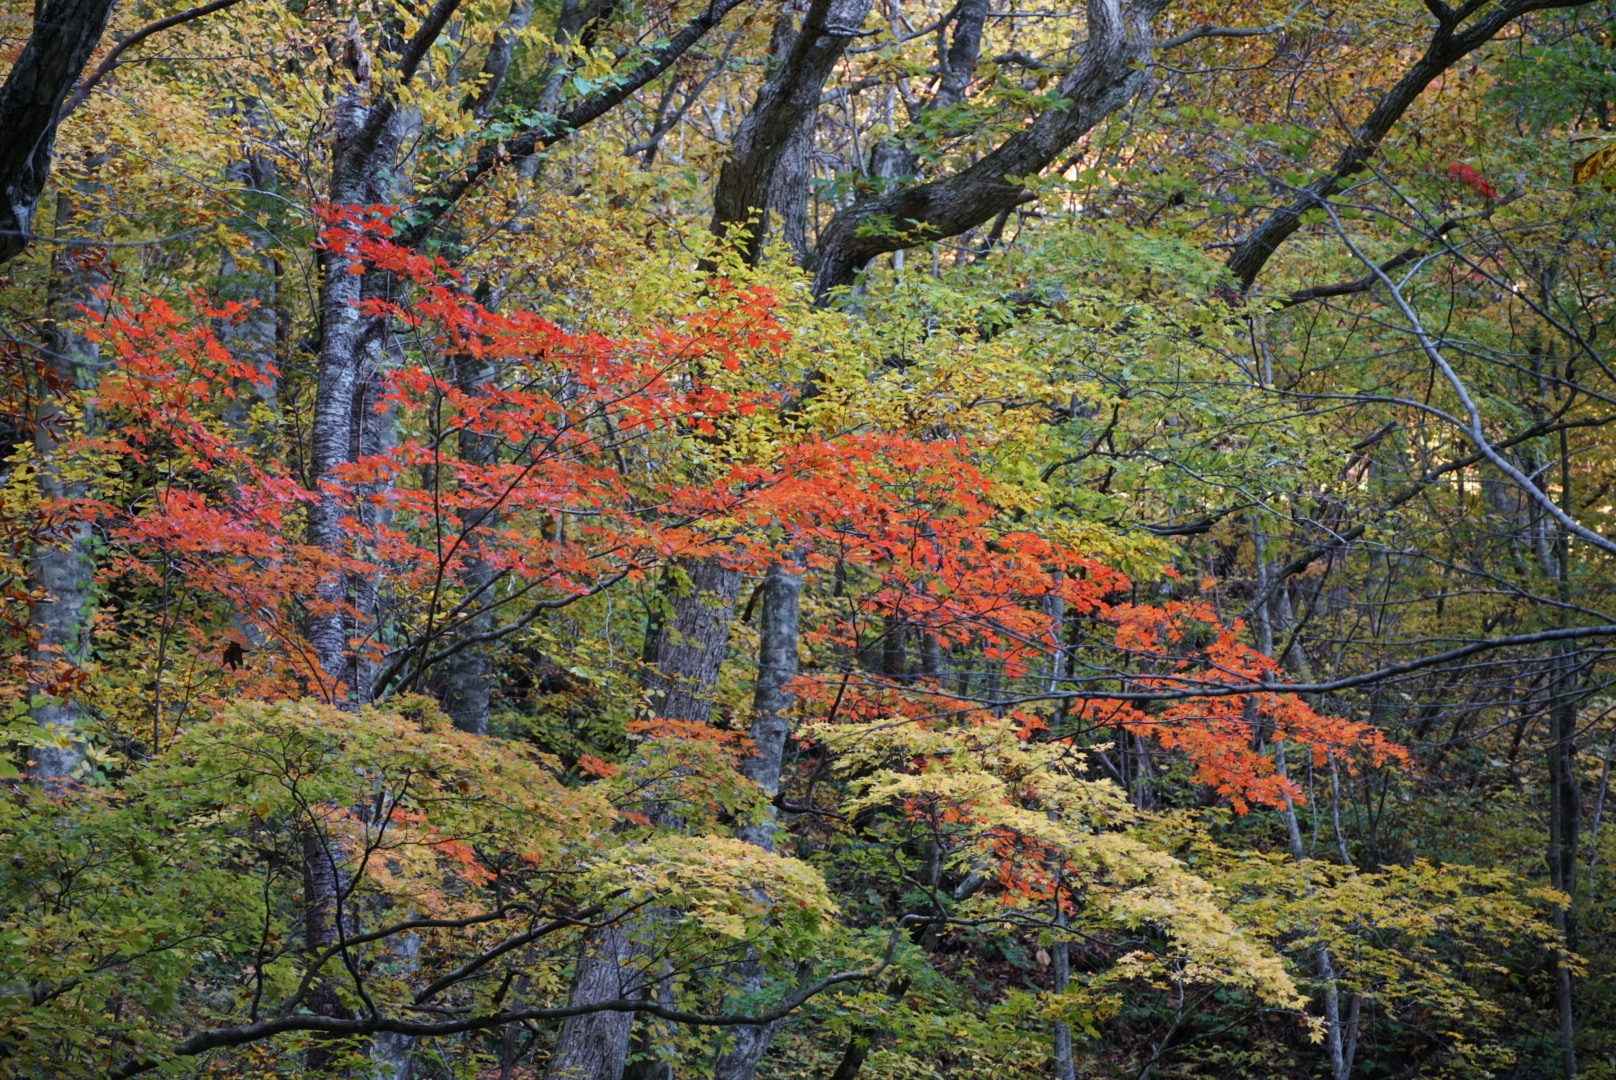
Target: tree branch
[1219,32]
[224,1038]
[1445,49]
[114,57]
[495,156]
[1107,76]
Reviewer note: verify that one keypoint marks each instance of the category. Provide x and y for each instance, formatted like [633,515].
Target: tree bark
[366,147]
[1060,962]
[691,640]
[63,569]
[498,62]
[468,675]
[685,652]
[771,725]
[778,131]
[772,699]
[896,158]
[1106,78]
[1565,819]
[65,34]
[594,1046]
[326,922]
[253,280]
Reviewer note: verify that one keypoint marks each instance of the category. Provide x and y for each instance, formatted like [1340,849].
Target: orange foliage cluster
[906,528]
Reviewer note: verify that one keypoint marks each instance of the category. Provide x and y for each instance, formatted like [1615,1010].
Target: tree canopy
[811,539]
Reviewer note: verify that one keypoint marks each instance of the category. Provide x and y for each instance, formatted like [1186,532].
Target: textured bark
[594,1046]
[896,158]
[684,652]
[1106,78]
[63,570]
[375,433]
[691,639]
[65,34]
[498,62]
[1447,47]
[778,131]
[788,193]
[364,171]
[772,698]
[1060,959]
[366,148]
[468,675]
[326,922]
[1565,820]
[771,724]
[253,279]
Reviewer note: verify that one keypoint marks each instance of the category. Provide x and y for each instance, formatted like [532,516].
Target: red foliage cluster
[904,530]
[1472,179]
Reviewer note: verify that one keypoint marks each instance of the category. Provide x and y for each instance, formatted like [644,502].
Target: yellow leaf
[1601,161]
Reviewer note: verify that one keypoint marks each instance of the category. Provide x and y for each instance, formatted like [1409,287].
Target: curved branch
[115,56]
[1105,78]
[225,1038]
[1445,49]
[1219,32]
[493,157]
[1473,429]
[1194,688]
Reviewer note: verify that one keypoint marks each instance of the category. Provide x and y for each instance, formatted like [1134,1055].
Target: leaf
[1599,164]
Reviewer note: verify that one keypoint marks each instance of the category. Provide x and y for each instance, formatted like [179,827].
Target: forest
[807,539]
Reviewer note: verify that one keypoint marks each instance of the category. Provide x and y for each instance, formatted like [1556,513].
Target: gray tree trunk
[468,675]
[1565,820]
[1060,957]
[772,699]
[365,153]
[63,569]
[771,725]
[326,922]
[684,653]
[691,639]
[255,280]
[594,1046]
[896,158]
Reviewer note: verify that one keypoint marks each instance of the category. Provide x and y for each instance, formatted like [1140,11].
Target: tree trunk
[365,150]
[326,922]
[768,157]
[65,33]
[771,724]
[1565,819]
[894,159]
[254,280]
[63,569]
[594,1046]
[691,639]
[685,653]
[468,675]
[772,698]
[1060,962]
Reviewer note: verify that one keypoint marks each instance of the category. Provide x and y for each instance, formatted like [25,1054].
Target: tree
[948,541]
